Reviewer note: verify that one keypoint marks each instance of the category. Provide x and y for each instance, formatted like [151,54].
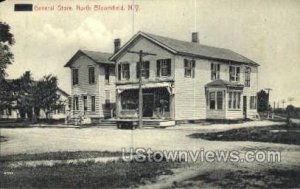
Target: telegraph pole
[141,55]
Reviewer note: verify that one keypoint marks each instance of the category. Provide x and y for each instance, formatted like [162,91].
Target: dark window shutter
[193,68]
[169,67]
[185,63]
[137,70]
[157,68]
[147,68]
[119,71]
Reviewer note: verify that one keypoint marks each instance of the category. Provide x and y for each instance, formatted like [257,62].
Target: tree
[262,101]
[45,96]
[6,41]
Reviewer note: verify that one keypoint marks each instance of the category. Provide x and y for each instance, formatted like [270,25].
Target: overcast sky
[267,32]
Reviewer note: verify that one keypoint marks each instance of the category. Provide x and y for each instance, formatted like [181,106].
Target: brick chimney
[195,38]
[117,43]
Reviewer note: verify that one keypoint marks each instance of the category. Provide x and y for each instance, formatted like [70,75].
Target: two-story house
[93,85]
[184,80]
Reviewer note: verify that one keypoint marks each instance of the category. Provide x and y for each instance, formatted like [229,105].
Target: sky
[268,32]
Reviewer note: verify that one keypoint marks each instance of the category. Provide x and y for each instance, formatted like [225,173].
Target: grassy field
[275,134]
[112,174]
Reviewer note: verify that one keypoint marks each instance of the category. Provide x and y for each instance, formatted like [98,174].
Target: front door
[148,102]
[245,106]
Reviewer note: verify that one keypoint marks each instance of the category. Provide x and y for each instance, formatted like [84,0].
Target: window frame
[234,73]
[234,100]
[247,76]
[93,103]
[164,66]
[91,74]
[106,74]
[253,102]
[85,105]
[76,103]
[121,71]
[75,76]
[215,71]
[189,67]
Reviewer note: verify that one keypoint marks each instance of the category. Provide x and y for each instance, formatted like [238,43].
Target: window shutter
[185,63]
[157,68]
[193,68]
[119,71]
[147,68]
[169,66]
[137,70]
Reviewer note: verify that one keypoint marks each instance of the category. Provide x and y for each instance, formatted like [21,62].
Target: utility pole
[141,55]
[283,102]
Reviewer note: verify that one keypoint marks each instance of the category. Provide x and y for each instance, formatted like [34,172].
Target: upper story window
[106,70]
[124,71]
[91,75]
[144,69]
[247,76]
[189,68]
[75,75]
[234,100]
[234,73]
[163,67]
[215,71]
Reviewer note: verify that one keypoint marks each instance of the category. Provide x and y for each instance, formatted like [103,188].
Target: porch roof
[121,88]
[223,83]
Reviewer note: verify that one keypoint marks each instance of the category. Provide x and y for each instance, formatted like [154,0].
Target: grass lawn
[271,178]
[112,174]
[275,134]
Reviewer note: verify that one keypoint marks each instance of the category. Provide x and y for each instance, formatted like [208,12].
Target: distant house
[93,85]
[12,111]
[184,81]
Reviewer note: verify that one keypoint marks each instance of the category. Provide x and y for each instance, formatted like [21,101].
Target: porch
[157,102]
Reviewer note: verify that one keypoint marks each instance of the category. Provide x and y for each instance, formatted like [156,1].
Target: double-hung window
[144,70]
[247,76]
[85,108]
[107,98]
[189,68]
[124,71]
[163,67]
[106,70]
[91,75]
[76,103]
[75,75]
[234,73]
[234,100]
[93,103]
[215,71]
[216,100]
[252,102]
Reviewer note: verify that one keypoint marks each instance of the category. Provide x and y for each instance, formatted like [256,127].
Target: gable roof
[222,83]
[96,56]
[189,49]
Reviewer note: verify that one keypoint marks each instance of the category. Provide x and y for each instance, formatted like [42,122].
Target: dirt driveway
[39,140]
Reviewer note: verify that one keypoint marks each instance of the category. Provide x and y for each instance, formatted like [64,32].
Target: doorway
[148,102]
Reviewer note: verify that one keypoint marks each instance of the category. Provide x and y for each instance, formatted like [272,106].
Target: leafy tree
[262,101]
[6,41]
[25,90]
[6,57]
[45,96]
